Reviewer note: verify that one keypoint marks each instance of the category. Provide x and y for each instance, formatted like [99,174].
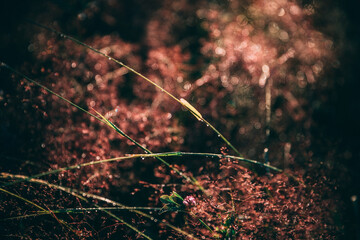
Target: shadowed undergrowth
[114,138]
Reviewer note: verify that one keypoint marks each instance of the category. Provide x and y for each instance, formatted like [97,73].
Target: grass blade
[183,102]
[84,196]
[107,122]
[62,222]
[133,156]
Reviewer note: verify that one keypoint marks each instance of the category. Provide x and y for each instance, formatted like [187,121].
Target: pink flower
[189,201]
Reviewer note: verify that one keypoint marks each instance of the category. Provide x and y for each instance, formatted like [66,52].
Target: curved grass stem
[110,124]
[62,222]
[84,196]
[181,101]
[133,156]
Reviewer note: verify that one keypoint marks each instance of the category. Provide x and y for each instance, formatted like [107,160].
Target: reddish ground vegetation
[219,57]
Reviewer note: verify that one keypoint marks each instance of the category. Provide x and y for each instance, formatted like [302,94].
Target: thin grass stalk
[107,122]
[268,87]
[133,156]
[183,102]
[78,210]
[62,222]
[67,225]
[84,199]
[84,196]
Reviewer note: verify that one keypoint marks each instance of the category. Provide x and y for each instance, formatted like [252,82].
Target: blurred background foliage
[219,55]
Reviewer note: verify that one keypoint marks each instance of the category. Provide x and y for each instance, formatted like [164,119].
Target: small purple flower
[189,201]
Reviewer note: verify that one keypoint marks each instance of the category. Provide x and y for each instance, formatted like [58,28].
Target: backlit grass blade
[79,210]
[181,101]
[107,122]
[62,222]
[133,156]
[84,196]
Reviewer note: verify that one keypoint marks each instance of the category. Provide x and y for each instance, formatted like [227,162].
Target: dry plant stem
[72,192]
[104,120]
[78,210]
[64,223]
[267,119]
[41,208]
[84,195]
[133,156]
[190,108]
[77,166]
[107,122]
[190,180]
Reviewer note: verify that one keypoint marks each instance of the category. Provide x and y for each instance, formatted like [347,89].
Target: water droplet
[61,35]
[78,166]
[109,58]
[81,16]
[142,158]
[219,135]
[207,125]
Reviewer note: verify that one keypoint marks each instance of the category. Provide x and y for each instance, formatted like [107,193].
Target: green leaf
[178,196]
[166,199]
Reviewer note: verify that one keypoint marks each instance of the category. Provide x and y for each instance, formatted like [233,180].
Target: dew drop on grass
[81,16]
[109,58]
